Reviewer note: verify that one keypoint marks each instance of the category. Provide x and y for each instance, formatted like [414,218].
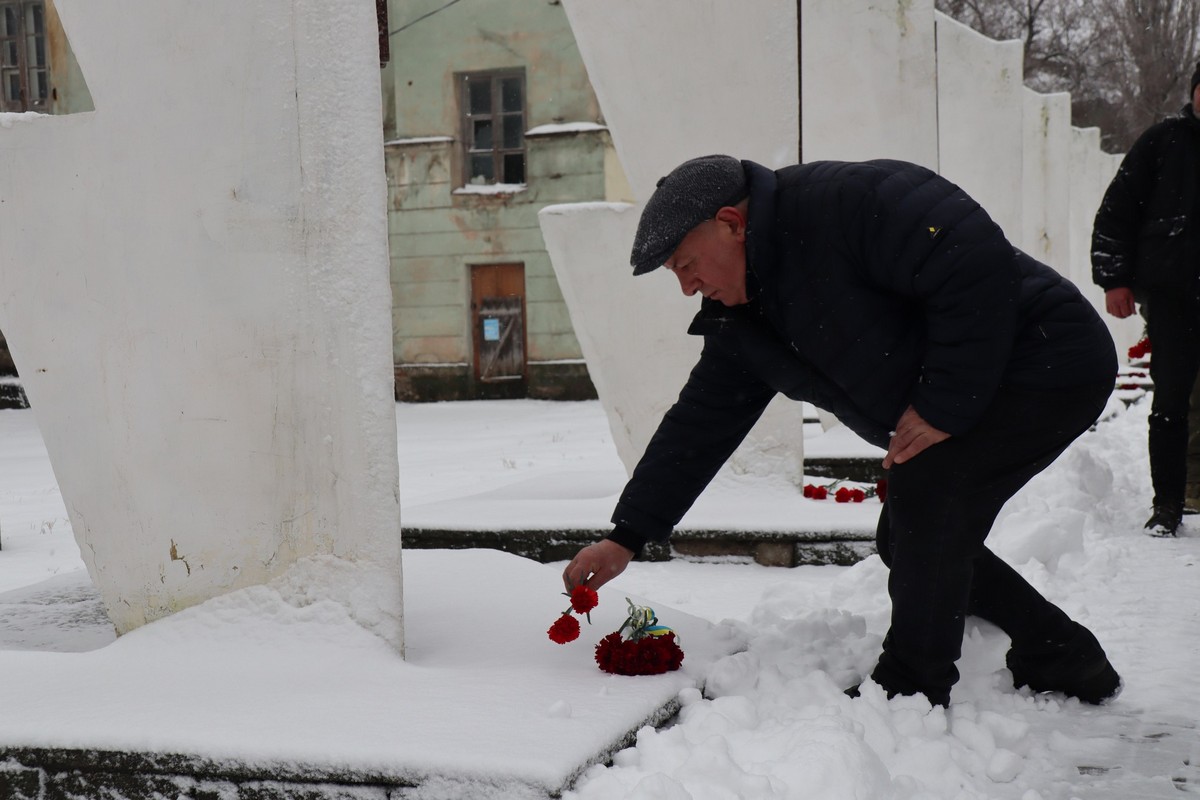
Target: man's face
[711,259]
[1196,99]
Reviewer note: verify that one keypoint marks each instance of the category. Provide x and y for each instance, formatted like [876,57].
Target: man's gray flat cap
[691,194]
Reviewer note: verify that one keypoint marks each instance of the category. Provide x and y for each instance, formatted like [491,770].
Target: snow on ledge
[567,209]
[491,188]
[565,127]
[419,140]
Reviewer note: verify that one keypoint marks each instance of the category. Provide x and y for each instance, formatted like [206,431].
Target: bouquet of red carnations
[639,647]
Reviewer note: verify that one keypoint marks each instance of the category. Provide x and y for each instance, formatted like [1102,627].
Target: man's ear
[734,219]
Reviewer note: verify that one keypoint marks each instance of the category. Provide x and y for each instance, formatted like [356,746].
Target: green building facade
[488,117]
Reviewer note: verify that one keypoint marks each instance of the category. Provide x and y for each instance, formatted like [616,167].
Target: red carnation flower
[661,653]
[584,599]
[670,650]
[606,652]
[857,495]
[650,655]
[881,489]
[843,495]
[565,629]
[815,492]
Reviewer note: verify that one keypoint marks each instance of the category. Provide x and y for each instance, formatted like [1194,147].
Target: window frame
[32,57]
[496,115]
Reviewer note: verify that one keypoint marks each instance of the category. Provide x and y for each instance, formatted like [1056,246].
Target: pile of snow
[771,721]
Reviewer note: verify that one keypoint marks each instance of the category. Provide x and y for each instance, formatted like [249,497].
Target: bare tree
[1157,48]
[1125,62]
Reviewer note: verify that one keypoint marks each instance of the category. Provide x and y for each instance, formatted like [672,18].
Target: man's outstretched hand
[913,434]
[597,564]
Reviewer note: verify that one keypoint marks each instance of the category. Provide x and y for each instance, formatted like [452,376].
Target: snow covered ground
[772,722]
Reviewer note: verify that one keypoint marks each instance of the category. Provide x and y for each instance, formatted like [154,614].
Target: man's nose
[687,283]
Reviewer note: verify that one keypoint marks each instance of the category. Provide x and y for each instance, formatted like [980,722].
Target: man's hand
[912,436]
[597,564]
[1119,302]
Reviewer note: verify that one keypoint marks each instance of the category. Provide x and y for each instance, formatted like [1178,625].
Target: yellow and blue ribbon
[643,622]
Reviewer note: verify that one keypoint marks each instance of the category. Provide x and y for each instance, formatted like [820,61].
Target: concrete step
[769,548]
[860,470]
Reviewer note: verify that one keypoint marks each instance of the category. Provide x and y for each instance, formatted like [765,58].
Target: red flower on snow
[649,655]
[1141,349]
[640,647]
[847,494]
[565,629]
[583,599]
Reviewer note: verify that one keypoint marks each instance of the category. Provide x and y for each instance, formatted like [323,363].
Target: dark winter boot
[855,691]
[1165,520]
[929,677]
[1077,668]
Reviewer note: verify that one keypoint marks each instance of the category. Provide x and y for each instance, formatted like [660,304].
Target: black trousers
[1173,324]
[939,510]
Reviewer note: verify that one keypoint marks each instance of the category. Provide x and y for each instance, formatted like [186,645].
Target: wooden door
[498,322]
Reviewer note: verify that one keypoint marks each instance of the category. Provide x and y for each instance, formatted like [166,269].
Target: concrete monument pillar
[675,79]
[980,116]
[869,80]
[194,285]
[1046,180]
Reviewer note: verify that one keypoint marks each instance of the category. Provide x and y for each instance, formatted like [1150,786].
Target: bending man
[884,294]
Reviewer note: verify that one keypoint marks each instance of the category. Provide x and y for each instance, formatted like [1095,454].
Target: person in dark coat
[1146,249]
[883,293]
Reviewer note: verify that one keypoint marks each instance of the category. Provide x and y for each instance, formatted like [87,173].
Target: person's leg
[1001,596]
[1191,495]
[940,508]
[998,594]
[1174,359]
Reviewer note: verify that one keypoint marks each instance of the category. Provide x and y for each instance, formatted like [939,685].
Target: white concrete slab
[429,716]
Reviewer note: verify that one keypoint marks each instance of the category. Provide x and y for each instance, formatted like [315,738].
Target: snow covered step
[256,695]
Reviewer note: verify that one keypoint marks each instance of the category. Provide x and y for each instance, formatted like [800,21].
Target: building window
[24,66]
[493,119]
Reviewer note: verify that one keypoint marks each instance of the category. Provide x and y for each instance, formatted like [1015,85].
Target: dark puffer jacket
[875,285]
[1147,235]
